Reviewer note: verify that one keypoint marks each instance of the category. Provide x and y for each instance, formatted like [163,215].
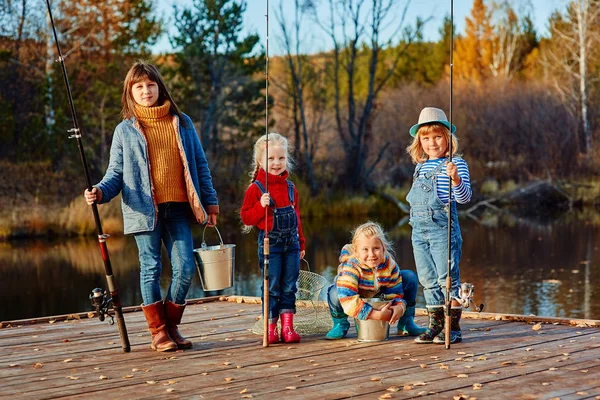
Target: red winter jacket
[252,211]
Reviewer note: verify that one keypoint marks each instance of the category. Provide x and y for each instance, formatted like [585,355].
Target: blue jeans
[284,268]
[173,228]
[430,248]
[410,286]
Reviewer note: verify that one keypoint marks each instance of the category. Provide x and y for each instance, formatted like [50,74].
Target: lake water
[518,266]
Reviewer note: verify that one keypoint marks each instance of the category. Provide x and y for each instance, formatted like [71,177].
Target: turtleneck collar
[150,113]
[272,178]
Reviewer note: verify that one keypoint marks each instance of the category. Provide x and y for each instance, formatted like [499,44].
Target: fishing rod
[98,298]
[448,319]
[266,240]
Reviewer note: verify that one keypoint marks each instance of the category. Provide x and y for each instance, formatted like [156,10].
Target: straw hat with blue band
[430,115]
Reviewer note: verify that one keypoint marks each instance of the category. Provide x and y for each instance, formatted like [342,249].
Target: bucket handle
[203,245]
[307,264]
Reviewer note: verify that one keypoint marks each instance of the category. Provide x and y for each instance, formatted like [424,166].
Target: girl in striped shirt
[368,270]
[428,198]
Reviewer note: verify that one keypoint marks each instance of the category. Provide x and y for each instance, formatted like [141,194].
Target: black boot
[455,332]
[436,324]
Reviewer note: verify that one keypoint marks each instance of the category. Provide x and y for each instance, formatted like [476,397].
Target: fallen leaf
[128,376]
[239,366]
[171,382]
[13,365]
[528,349]
[477,386]
[552,369]
[290,387]
[393,389]
[537,326]
[423,365]
[38,365]
[494,372]
[227,363]
[584,371]
[407,387]
[462,376]
[52,321]
[375,379]
[397,358]
[73,378]
[244,391]
[247,396]
[275,366]
[228,379]
[482,358]
[91,315]
[582,393]
[170,390]
[68,360]
[151,382]
[103,377]
[545,384]
[385,396]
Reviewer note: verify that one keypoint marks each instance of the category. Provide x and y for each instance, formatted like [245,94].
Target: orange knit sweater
[165,160]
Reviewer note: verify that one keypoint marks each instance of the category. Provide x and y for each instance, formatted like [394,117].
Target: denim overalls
[429,220]
[284,256]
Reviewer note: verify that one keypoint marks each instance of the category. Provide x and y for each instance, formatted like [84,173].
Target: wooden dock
[499,358]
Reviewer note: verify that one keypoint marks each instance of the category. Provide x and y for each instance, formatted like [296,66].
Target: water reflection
[517,266]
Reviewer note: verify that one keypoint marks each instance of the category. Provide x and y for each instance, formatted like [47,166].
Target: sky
[315,41]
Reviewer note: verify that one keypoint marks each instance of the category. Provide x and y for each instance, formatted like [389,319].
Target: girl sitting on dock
[287,242]
[428,199]
[368,270]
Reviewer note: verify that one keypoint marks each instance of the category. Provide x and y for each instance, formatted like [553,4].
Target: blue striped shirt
[461,193]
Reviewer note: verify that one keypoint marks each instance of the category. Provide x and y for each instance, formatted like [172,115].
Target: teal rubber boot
[340,328]
[407,326]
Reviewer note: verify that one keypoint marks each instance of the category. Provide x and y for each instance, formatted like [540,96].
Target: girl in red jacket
[286,241]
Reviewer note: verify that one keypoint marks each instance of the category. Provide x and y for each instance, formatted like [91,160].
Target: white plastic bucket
[215,264]
[372,330]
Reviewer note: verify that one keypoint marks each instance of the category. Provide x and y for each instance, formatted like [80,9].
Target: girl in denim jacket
[428,199]
[286,240]
[159,166]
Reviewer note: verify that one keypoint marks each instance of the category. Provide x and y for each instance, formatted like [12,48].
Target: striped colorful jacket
[356,281]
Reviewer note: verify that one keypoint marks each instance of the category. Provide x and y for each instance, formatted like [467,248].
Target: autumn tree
[218,69]
[100,40]
[567,57]
[304,89]
[355,29]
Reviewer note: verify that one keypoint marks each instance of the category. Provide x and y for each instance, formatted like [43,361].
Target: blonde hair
[372,229]
[415,150]
[275,139]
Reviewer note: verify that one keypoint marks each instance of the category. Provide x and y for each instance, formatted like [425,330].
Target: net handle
[307,264]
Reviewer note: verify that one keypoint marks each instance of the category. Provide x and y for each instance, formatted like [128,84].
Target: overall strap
[417,169]
[290,191]
[435,171]
[263,191]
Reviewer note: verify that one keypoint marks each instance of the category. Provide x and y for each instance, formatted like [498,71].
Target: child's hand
[302,253]
[265,200]
[452,172]
[94,196]
[384,314]
[397,311]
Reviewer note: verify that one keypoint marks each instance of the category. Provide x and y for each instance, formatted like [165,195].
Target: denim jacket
[129,171]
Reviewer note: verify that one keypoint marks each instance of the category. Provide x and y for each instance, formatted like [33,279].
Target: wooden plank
[316,368]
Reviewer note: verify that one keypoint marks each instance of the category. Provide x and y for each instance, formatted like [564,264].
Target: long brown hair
[136,73]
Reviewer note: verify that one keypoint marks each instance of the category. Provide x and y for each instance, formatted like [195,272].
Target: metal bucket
[372,330]
[215,264]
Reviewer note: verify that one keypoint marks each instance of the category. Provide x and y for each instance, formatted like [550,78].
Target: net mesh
[312,314]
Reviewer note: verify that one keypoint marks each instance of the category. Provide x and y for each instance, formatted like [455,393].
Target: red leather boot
[273,337]
[288,335]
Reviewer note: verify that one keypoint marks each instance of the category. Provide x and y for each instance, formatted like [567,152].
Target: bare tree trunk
[582,30]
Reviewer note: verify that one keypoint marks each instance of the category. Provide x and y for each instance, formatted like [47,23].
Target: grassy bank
[76,218]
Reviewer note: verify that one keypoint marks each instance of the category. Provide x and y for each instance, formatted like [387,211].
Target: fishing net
[312,312]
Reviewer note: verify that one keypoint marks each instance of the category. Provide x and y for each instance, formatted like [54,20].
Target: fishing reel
[102,303]
[465,296]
